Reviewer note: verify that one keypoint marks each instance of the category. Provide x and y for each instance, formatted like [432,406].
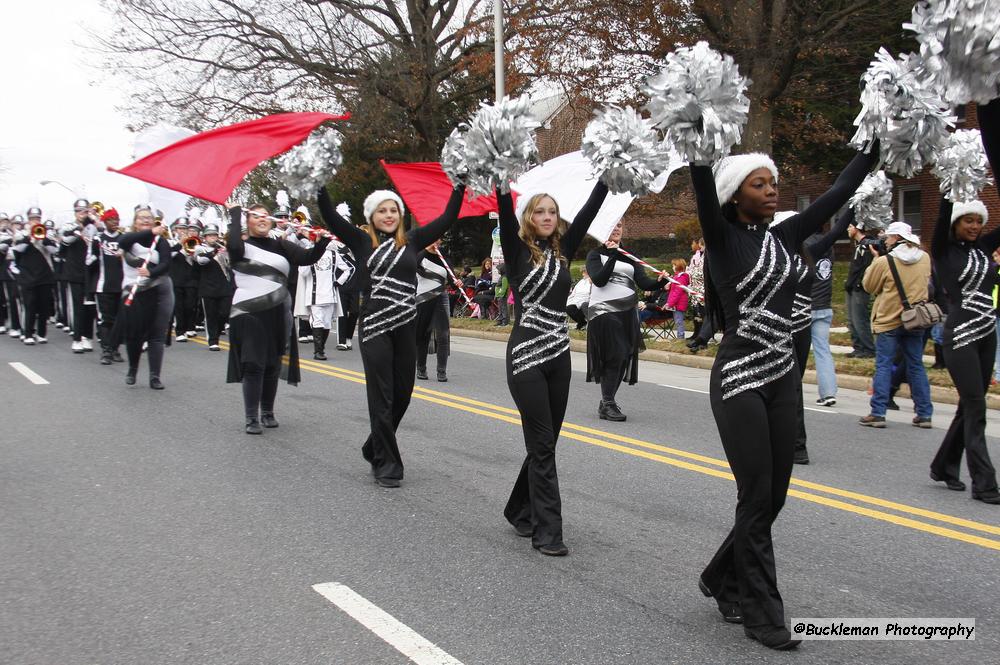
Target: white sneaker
[214,347]
[3,329]
[181,338]
[29,340]
[191,333]
[826,401]
[77,347]
[199,327]
[341,347]
[14,333]
[59,325]
[68,330]
[87,346]
[303,339]
[41,340]
[349,344]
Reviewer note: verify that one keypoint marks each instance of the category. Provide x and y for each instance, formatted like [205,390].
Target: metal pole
[498,47]
[56,182]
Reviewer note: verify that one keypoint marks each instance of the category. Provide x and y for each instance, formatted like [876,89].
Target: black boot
[319,343]
[938,357]
[442,375]
[608,410]
[422,373]
[253,426]
[155,383]
[801,455]
[105,356]
[130,376]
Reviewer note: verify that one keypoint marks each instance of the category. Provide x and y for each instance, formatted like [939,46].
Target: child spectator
[677,296]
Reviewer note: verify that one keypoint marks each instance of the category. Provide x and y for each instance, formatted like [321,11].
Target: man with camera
[898,277]
[858,300]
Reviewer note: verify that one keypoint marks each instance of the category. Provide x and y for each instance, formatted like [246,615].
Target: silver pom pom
[625,150]
[310,165]
[903,111]
[961,166]
[960,45]
[500,145]
[699,101]
[872,202]
[453,156]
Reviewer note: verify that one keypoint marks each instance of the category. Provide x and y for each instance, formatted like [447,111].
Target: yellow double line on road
[868,506]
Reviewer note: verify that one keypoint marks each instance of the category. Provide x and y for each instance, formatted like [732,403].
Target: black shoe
[253,426]
[387,482]
[731,612]
[950,483]
[155,383]
[892,406]
[610,411]
[442,376]
[524,531]
[319,355]
[991,496]
[116,356]
[773,637]
[105,357]
[267,419]
[130,376]
[557,549]
[800,456]
[422,373]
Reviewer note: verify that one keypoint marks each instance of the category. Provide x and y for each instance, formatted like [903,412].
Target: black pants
[348,322]
[802,341]
[433,316]
[216,315]
[108,306]
[707,331]
[759,446]
[13,311]
[37,309]
[576,314]
[390,362]
[83,315]
[541,394]
[61,301]
[260,388]
[971,368]
[156,334]
[185,308]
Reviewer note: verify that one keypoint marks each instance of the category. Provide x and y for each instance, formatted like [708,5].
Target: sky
[58,120]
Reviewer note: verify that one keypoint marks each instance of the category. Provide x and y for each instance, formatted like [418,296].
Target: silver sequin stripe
[758,324]
[553,337]
[975,302]
[801,312]
[399,297]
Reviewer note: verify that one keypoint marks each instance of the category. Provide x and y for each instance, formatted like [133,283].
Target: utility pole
[498,47]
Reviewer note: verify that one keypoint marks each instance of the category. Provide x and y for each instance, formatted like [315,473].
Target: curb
[939,394]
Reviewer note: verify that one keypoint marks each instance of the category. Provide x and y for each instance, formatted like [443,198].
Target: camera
[877,243]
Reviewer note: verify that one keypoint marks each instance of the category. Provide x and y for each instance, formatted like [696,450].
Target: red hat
[110,213]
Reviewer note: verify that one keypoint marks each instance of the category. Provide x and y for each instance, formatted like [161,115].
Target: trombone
[190,243]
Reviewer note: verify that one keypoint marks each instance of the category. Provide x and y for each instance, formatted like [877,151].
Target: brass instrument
[190,243]
[98,208]
[38,231]
[299,217]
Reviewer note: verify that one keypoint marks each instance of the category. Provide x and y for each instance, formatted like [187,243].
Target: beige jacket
[914,266]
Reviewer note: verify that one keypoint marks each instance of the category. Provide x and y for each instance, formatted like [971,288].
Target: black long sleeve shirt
[754,280]
[388,274]
[819,246]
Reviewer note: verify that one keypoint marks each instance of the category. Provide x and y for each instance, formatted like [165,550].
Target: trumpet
[299,217]
[190,243]
[98,208]
[38,231]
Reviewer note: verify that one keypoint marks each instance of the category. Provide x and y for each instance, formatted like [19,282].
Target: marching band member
[74,247]
[106,264]
[215,284]
[10,315]
[260,319]
[387,263]
[433,311]
[317,296]
[537,252]
[613,336]
[185,281]
[33,253]
[146,271]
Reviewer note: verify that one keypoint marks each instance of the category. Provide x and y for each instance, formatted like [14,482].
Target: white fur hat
[971,208]
[377,197]
[730,172]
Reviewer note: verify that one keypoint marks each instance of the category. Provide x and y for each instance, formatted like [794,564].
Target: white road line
[400,636]
[809,408]
[690,390]
[28,374]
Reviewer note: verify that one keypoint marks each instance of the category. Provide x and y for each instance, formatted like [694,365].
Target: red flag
[210,165]
[425,189]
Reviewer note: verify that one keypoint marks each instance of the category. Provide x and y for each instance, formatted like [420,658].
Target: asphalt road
[146,527]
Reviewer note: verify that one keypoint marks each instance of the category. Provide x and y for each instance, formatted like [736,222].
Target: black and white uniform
[260,320]
[10,305]
[538,364]
[433,310]
[74,250]
[964,271]
[33,260]
[613,336]
[215,288]
[184,277]
[106,261]
[146,320]
[754,384]
[388,277]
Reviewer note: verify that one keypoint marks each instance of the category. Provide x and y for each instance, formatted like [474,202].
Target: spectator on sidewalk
[858,300]
[500,292]
[914,268]
[677,295]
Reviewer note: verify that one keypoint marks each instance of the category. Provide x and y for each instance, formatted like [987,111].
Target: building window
[801,202]
[909,207]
